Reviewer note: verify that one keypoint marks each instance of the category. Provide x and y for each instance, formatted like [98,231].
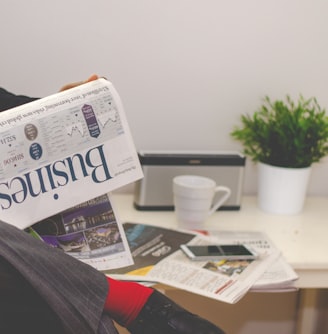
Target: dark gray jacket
[44,290]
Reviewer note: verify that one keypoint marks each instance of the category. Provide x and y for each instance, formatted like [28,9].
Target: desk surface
[302,238]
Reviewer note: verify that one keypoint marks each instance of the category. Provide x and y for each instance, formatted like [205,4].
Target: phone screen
[220,250]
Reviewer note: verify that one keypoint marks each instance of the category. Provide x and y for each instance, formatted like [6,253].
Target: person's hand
[78,83]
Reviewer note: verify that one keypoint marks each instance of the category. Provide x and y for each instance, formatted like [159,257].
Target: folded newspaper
[62,150]
[61,156]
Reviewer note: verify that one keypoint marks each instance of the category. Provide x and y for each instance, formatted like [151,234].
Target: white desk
[301,238]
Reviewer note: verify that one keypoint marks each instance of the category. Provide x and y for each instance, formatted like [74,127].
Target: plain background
[185,69]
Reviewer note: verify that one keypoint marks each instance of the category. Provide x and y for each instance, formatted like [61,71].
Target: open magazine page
[278,276]
[90,232]
[224,281]
[149,245]
[63,150]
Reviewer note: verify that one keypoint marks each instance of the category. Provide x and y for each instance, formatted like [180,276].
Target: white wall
[185,69]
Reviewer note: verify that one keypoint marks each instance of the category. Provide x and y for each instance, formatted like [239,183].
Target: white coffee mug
[195,199]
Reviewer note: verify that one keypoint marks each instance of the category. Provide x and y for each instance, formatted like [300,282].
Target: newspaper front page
[61,156]
[63,150]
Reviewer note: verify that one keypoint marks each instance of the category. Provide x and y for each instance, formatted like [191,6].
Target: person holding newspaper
[44,290]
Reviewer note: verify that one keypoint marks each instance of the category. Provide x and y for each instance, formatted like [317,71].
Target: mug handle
[222,199]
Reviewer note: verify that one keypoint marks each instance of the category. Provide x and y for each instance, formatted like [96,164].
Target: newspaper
[63,150]
[61,156]
[158,259]
[279,276]
[91,232]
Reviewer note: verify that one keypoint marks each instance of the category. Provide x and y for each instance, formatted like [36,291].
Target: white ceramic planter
[282,190]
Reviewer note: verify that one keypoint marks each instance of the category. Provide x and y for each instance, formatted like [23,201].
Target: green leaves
[285,133]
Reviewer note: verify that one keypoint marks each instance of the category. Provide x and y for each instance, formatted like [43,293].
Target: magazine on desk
[158,258]
[61,156]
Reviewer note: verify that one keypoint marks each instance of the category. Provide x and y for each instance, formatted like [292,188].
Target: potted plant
[284,137]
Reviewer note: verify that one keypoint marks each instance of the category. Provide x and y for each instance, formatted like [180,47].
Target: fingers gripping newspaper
[61,156]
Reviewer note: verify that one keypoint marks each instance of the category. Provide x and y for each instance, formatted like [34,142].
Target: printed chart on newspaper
[62,150]
[91,232]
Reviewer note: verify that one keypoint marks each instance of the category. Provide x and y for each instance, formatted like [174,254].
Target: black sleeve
[9,100]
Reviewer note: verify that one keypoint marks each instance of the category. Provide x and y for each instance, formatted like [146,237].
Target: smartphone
[219,252]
